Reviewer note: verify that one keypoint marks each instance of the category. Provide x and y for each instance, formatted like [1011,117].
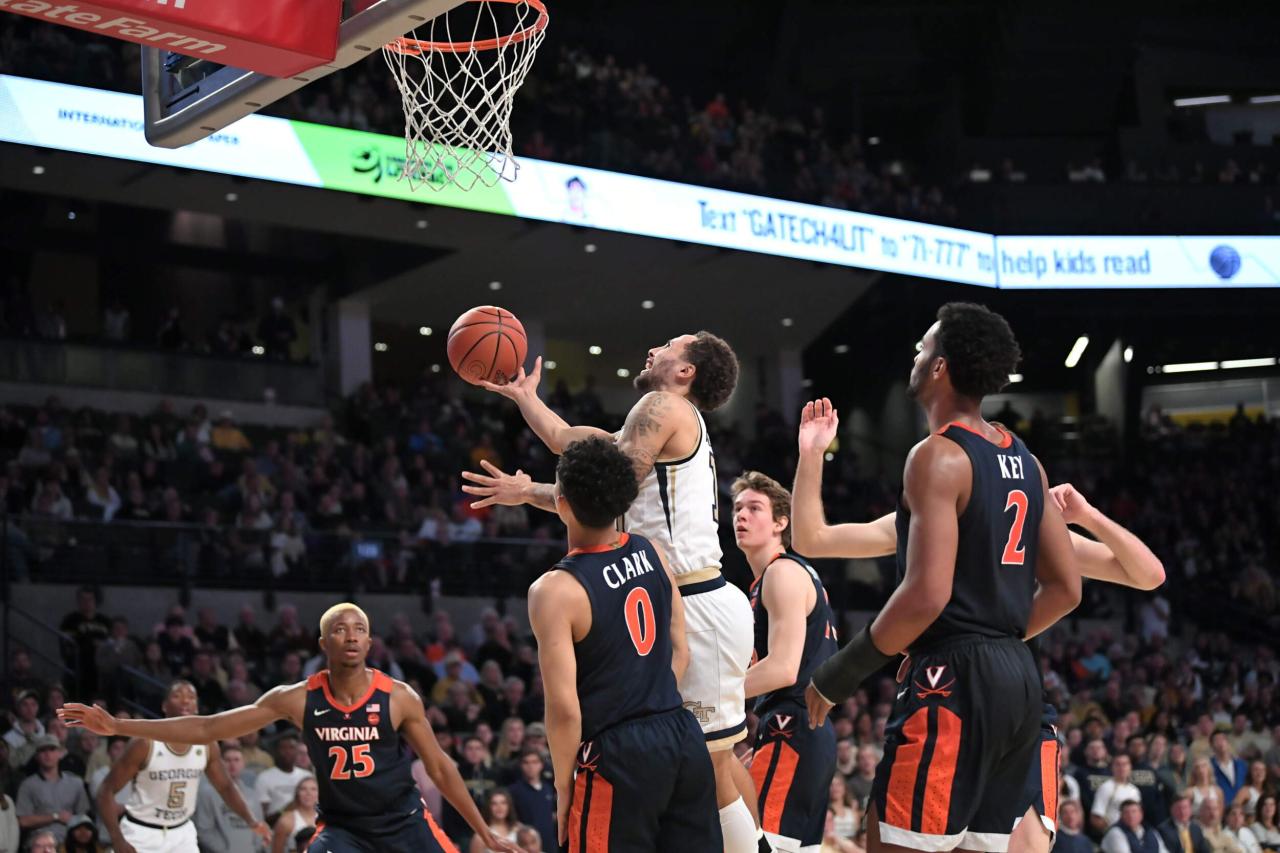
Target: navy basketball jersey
[995,576]
[624,662]
[820,641]
[361,770]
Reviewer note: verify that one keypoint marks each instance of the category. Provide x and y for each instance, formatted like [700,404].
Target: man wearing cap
[454,672]
[48,798]
[27,726]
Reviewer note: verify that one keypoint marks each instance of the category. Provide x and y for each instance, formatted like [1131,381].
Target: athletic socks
[738,829]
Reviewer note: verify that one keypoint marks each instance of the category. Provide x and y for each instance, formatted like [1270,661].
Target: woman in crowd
[499,816]
[297,816]
[1252,789]
[1201,785]
[844,814]
[1266,827]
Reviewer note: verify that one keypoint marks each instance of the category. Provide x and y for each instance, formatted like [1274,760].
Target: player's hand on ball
[818,425]
[94,718]
[497,488]
[818,707]
[524,386]
[1075,509]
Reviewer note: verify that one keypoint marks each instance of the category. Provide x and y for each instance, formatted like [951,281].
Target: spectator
[219,829]
[499,816]
[1251,791]
[1202,786]
[177,646]
[209,633]
[115,322]
[844,809]
[103,495]
[1180,832]
[1112,795]
[1070,837]
[27,730]
[9,830]
[275,787]
[249,637]
[1266,823]
[212,697]
[87,628]
[117,650]
[529,840]
[480,778]
[1242,834]
[1096,770]
[43,841]
[276,331]
[1143,777]
[289,635]
[1210,820]
[534,799]
[227,437]
[1129,835]
[453,674]
[82,836]
[171,335]
[299,815]
[1229,772]
[48,799]
[256,759]
[860,781]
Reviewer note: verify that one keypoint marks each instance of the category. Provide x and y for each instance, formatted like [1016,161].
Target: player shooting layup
[678,509]
[354,720]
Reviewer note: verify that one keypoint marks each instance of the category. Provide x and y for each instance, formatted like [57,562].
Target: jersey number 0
[641,623]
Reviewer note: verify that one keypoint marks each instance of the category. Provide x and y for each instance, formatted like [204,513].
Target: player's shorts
[719,629]
[963,732]
[792,768]
[147,838]
[415,833]
[645,785]
[1041,788]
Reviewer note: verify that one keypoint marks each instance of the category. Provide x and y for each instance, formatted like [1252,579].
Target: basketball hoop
[458,93]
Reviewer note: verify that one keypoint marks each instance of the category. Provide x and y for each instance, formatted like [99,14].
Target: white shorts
[146,839]
[720,629]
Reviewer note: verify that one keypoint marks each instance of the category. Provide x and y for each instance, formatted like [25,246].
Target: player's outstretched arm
[785,596]
[552,602]
[1118,556]
[416,731]
[499,487]
[555,431]
[278,704]
[1057,570]
[810,532]
[216,771]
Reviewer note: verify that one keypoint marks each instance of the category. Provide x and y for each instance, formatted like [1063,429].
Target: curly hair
[597,480]
[716,371]
[779,498]
[979,347]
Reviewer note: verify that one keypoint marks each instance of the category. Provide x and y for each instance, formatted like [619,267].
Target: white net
[458,82]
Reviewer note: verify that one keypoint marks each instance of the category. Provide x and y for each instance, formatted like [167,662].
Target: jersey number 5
[361,760]
[1014,552]
[641,623]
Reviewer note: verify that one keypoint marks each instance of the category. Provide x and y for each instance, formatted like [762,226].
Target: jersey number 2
[1014,552]
[641,623]
[361,760]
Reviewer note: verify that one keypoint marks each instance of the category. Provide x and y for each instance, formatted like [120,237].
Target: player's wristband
[841,674]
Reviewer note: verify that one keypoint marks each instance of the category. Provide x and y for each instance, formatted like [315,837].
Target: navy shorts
[417,833]
[792,768]
[963,732]
[1043,779]
[645,785]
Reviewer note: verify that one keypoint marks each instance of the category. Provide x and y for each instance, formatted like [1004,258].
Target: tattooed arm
[651,424]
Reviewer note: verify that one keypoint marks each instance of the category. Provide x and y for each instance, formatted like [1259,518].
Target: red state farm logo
[934,675]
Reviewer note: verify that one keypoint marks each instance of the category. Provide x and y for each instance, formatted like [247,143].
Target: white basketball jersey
[164,792]
[678,508]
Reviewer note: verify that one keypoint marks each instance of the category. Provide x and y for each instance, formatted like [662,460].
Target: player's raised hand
[94,718]
[524,386]
[818,425]
[817,706]
[1075,509]
[497,488]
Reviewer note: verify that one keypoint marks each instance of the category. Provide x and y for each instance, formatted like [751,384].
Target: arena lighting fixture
[424,330]
[495,285]
[421,224]
[1202,101]
[1128,354]
[594,350]
[1015,378]
[71,215]
[590,248]
[1188,367]
[549,365]
[435,368]
[873,140]
[841,349]
[380,347]
[623,373]
[258,350]
[37,170]
[1077,350]
[233,196]
[647,304]
[788,322]
[1265,99]
[1247,362]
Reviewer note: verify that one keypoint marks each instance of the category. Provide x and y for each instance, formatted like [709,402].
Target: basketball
[487,344]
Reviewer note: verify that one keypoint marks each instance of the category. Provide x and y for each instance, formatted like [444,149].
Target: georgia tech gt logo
[934,676]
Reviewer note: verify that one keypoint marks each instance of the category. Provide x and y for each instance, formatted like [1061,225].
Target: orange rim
[417,47]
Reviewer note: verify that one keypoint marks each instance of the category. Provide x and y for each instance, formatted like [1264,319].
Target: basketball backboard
[188,99]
